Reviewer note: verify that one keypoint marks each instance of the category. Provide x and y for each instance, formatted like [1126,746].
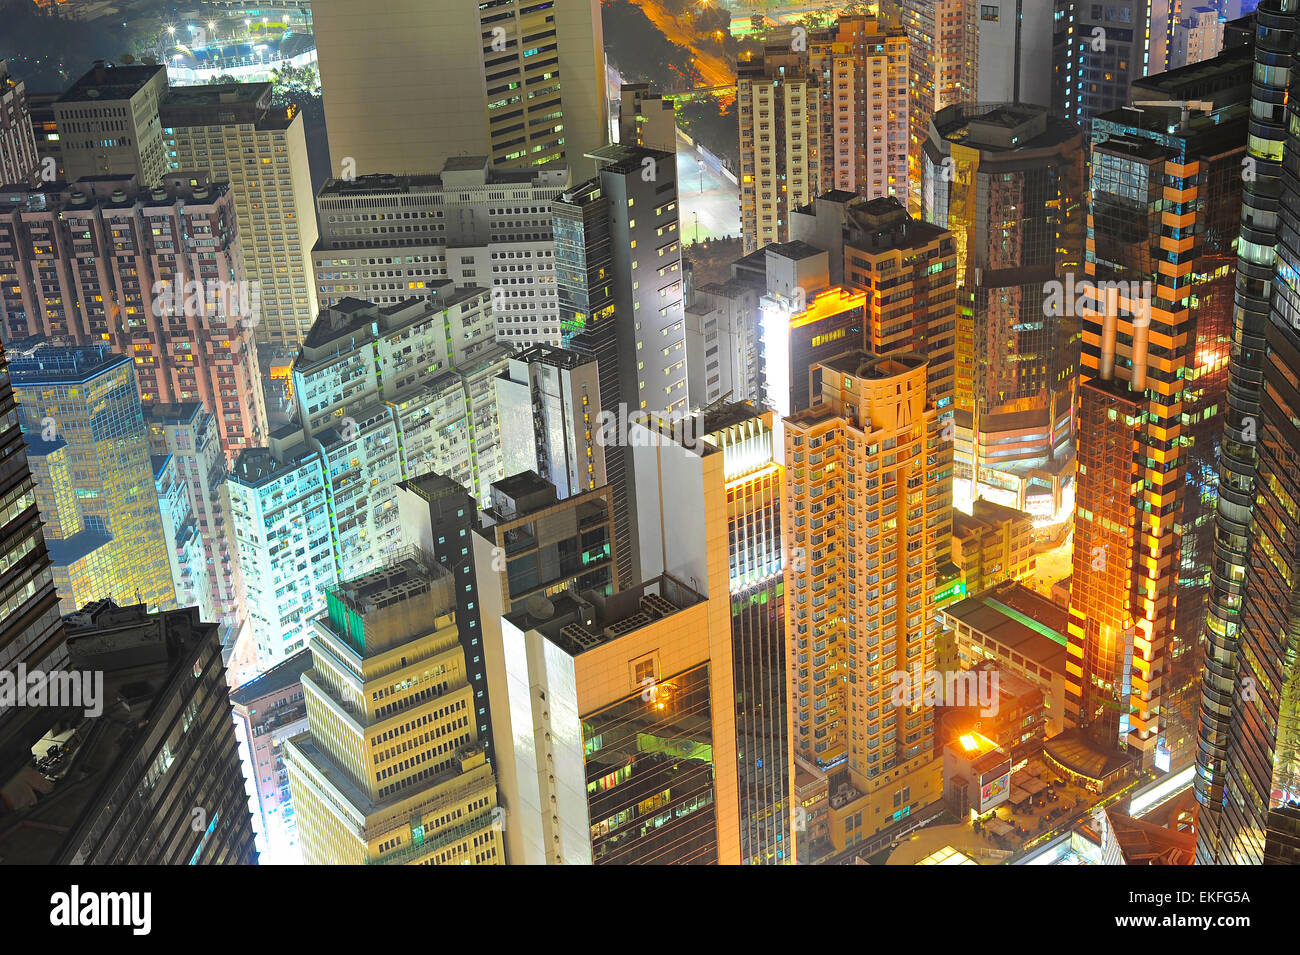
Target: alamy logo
[619,429]
[1077,298]
[76,908]
[213,298]
[916,687]
[76,689]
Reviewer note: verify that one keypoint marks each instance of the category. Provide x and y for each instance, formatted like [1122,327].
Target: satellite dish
[540,608]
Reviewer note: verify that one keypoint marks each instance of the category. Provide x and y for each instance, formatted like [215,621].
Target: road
[710,201]
[714,68]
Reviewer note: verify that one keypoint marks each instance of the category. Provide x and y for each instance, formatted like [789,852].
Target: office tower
[18,159]
[521,82]
[31,631]
[188,434]
[1007,181]
[185,548]
[89,452]
[613,707]
[439,517]
[1104,48]
[270,709]
[391,770]
[943,70]
[1259,770]
[234,132]
[108,124]
[474,225]
[1197,36]
[158,274]
[381,393]
[1277,24]
[779,108]
[1165,189]
[992,544]
[548,400]
[128,786]
[724,470]
[429,367]
[860,582]
[1015,52]
[641,185]
[629,318]
[645,118]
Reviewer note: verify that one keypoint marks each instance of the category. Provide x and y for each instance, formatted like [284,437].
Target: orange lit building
[861,580]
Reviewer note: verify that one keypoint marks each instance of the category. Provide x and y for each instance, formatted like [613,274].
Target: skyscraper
[89,450]
[861,580]
[1259,767]
[31,631]
[158,274]
[1015,52]
[1006,180]
[521,82]
[1152,376]
[185,548]
[779,108]
[1277,24]
[391,770]
[233,131]
[130,786]
[1100,49]
[727,458]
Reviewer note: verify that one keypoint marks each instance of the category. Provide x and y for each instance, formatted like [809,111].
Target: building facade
[18,159]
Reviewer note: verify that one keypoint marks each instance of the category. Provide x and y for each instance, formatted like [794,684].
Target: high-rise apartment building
[18,159]
[548,401]
[89,452]
[188,434]
[108,124]
[153,779]
[185,547]
[157,274]
[861,580]
[1197,36]
[779,108]
[991,545]
[234,132]
[1007,181]
[391,770]
[943,70]
[387,238]
[1277,24]
[429,366]
[1165,193]
[521,82]
[45,131]
[270,709]
[381,393]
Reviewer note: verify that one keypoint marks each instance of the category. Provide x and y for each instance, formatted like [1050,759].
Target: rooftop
[35,361]
[465,171]
[865,364]
[1003,127]
[1016,617]
[110,83]
[576,623]
[280,677]
[622,159]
